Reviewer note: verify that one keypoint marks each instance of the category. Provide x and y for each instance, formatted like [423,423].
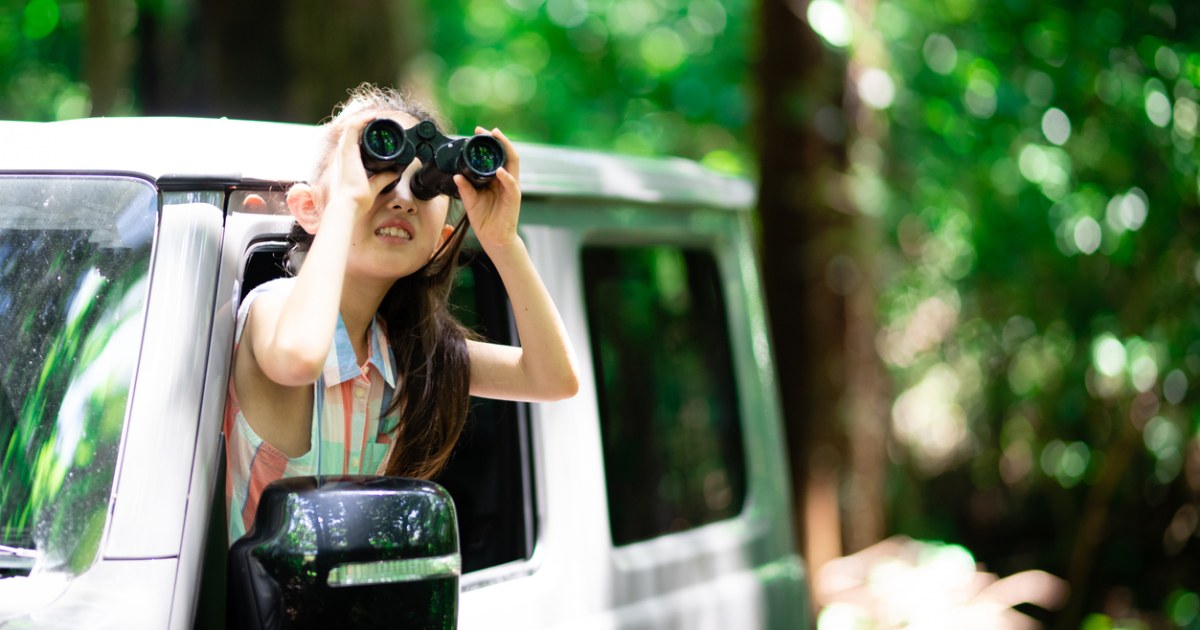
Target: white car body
[738,572]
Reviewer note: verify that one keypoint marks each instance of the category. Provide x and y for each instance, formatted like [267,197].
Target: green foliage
[1033,167]
[1039,312]
[635,76]
[41,60]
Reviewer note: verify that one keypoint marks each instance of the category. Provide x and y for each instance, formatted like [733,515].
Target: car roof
[234,151]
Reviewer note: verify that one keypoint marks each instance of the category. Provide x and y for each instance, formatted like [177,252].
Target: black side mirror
[355,552]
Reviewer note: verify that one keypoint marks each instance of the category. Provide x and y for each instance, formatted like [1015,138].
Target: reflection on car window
[74,262]
[669,418]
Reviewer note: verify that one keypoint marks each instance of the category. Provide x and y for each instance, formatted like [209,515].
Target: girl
[355,365]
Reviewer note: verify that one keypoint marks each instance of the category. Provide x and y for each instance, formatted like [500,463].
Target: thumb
[382,181]
[466,191]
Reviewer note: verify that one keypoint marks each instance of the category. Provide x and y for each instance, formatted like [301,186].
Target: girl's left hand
[494,210]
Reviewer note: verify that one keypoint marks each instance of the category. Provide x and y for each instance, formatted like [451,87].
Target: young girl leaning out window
[355,365]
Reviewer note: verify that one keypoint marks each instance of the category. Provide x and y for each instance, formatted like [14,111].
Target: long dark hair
[428,343]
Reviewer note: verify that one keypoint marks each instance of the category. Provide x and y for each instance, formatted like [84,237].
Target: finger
[508,182]
[466,191]
[354,127]
[508,189]
[512,160]
[355,124]
[348,143]
[383,181]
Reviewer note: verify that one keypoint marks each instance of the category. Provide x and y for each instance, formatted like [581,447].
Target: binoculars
[386,146]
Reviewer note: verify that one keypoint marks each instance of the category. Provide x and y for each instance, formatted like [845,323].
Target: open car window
[490,475]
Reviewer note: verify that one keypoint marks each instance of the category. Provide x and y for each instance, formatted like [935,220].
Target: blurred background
[979,233]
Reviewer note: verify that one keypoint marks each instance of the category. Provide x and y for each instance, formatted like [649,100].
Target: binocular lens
[483,155]
[383,145]
[382,141]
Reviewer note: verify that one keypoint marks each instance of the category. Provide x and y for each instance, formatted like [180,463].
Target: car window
[489,475]
[74,265]
[669,417]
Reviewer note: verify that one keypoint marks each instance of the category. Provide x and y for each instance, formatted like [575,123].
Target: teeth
[394,232]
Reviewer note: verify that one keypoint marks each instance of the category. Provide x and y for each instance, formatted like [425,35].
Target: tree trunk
[817,276]
[271,59]
[106,60]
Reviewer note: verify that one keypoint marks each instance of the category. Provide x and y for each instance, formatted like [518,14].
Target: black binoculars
[386,146]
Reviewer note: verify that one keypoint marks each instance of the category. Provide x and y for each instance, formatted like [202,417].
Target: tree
[817,272]
[997,201]
[1039,197]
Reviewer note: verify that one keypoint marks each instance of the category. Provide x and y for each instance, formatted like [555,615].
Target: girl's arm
[543,368]
[287,336]
[290,334]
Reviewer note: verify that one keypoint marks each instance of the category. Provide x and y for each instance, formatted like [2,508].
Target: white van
[655,498]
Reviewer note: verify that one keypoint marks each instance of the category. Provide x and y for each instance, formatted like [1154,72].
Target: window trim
[266,242]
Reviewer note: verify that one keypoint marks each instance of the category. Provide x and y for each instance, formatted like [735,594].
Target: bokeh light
[876,88]
[1056,126]
[1158,106]
[828,19]
[940,53]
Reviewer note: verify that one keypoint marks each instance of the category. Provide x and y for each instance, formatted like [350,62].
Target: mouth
[392,231]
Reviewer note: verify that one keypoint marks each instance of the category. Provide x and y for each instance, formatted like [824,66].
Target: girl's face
[399,233]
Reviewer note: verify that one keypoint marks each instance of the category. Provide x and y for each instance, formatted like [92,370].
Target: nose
[400,196]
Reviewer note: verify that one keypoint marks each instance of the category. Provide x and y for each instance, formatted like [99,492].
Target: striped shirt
[347,435]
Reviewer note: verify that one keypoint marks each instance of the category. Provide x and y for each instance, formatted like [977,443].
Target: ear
[302,202]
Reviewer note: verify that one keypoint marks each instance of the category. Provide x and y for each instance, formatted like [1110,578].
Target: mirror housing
[360,552]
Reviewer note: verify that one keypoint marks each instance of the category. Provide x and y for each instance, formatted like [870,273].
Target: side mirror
[356,552]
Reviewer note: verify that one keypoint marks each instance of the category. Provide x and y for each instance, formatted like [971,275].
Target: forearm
[547,361]
[293,349]
[543,368]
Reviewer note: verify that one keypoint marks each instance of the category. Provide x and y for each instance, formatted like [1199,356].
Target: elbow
[566,385]
[295,376]
[294,367]
[572,385]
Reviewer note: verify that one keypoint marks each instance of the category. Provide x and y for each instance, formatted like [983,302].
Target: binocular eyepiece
[386,146]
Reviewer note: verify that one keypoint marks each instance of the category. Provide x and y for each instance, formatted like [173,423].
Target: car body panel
[740,572]
[151,490]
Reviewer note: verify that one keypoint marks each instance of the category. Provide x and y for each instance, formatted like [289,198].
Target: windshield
[74,263]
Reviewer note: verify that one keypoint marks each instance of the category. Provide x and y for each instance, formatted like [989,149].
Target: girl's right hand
[348,179]
[291,336]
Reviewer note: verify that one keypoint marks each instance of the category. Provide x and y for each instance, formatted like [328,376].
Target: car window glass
[74,264]
[668,406]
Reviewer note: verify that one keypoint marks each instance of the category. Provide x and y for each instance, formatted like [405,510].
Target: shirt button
[360,393]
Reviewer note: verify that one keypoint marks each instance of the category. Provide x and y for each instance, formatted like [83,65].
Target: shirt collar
[341,364]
